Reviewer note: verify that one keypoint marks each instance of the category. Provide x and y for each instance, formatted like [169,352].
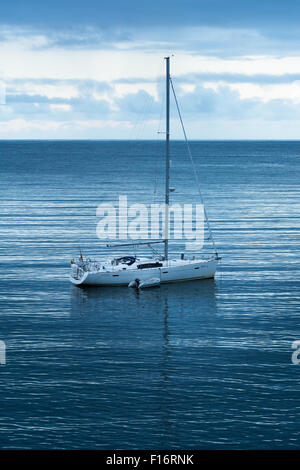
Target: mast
[166,234]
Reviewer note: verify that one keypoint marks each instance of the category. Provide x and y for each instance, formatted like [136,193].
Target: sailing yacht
[140,272]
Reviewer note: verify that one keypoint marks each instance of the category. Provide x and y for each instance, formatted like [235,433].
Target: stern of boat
[78,275]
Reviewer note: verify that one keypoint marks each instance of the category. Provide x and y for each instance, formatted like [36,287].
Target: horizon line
[142,140]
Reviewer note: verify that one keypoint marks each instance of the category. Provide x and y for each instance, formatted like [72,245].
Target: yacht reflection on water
[155,319]
[197,295]
[142,346]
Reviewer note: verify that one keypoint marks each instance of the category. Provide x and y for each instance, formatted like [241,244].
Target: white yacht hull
[170,272]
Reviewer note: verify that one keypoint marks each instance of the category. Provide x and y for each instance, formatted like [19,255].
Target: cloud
[210,40]
[60,107]
[99,76]
[51,55]
[223,102]
[116,114]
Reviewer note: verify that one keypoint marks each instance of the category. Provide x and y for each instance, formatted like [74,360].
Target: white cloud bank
[56,90]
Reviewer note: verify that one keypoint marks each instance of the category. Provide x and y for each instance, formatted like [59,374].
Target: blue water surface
[196,365]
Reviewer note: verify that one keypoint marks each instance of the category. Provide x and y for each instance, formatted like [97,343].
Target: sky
[95,69]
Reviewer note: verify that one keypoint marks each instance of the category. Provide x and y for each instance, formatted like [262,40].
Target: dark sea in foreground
[198,365]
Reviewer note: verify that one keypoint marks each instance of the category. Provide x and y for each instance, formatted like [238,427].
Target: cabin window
[149,265]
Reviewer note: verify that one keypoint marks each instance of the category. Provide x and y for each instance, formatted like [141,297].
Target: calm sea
[200,365]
